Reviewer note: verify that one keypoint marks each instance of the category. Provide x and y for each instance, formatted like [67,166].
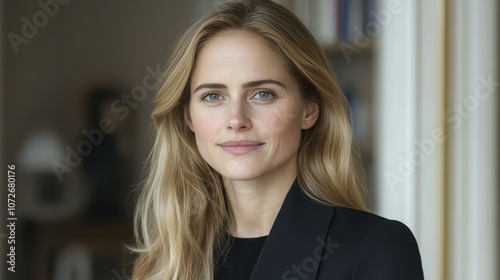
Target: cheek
[289,137]
[284,126]
[204,128]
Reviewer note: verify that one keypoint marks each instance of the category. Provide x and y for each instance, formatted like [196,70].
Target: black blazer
[312,241]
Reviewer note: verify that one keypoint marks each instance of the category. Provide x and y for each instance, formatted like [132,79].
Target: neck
[255,204]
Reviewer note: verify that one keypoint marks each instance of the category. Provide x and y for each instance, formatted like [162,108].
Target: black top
[313,241]
[241,259]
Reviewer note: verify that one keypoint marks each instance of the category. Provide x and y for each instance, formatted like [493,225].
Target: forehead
[238,52]
[232,42]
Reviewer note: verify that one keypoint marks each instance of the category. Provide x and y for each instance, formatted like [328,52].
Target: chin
[240,176]
[236,170]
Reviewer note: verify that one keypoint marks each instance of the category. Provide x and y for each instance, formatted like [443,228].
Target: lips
[240,147]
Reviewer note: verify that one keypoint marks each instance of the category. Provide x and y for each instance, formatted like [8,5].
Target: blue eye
[211,97]
[264,95]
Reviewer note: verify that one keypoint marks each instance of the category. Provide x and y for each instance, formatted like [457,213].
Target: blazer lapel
[296,241]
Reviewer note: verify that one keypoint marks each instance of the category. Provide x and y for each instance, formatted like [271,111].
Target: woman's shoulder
[370,229]
[374,245]
[359,219]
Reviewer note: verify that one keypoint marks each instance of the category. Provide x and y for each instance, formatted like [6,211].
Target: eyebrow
[244,86]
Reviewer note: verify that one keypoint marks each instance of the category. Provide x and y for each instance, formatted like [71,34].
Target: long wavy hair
[181,217]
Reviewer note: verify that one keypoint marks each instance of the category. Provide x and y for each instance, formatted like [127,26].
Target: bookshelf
[335,21]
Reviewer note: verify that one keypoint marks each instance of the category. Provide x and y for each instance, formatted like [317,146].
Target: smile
[240,147]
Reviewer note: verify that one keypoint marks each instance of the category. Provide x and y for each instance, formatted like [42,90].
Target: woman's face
[246,109]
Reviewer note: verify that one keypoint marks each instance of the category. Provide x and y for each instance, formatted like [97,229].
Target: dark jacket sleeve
[388,251]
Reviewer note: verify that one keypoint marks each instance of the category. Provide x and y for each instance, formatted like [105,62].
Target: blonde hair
[181,217]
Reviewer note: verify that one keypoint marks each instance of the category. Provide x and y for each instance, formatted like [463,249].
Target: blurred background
[77,79]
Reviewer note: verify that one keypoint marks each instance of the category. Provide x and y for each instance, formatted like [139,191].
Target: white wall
[445,191]
[409,149]
[473,151]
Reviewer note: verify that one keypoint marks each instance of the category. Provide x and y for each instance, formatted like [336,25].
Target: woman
[253,174]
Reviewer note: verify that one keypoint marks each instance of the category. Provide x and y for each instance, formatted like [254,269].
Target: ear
[311,113]
[187,118]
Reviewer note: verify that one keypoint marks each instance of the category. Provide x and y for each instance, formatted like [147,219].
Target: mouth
[240,147]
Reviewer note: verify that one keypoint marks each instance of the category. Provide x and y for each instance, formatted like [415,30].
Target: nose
[238,117]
